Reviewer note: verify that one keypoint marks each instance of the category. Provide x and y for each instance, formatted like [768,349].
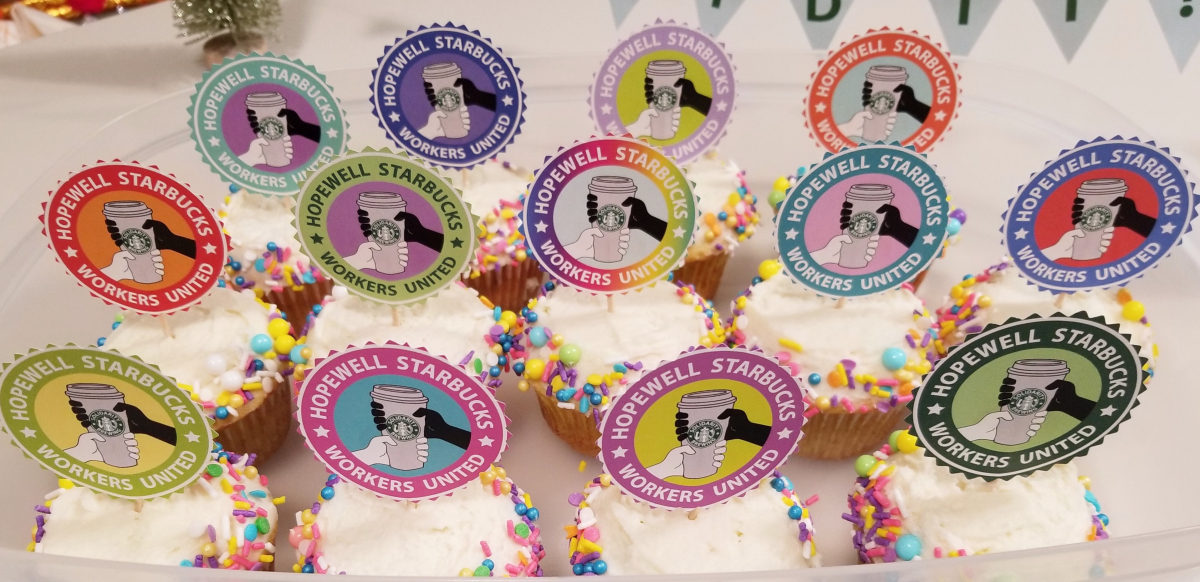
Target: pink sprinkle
[812,500]
[487,552]
[316,531]
[263,479]
[531,568]
[937,552]
[811,411]
[241,561]
[882,482]
[903,399]
[876,551]
[795,368]
[591,534]
[261,512]
[511,531]
[882,497]
[891,522]
[515,571]
[496,487]
[257,546]
[240,519]
[786,492]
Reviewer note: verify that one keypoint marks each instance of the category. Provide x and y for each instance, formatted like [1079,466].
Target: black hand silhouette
[299,127]
[847,211]
[1076,210]
[894,226]
[681,426]
[908,103]
[80,413]
[114,233]
[436,427]
[416,232]
[252,117]
[166,240]
[648,86]
[1129,217]
[139,423]
[473,95]
[741,428]
[689,97]
[1068,401]
[641,219]
[1006,391]
[379,417]
[867,92]
[364,223]
[593,205]
[431,95]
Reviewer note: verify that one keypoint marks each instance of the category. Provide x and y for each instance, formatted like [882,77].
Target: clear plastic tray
[1012,122]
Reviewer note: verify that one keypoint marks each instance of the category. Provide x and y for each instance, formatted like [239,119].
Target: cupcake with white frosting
[582,353]
[233,353]
[727,217]
[484,529]
[768,528]
[265,256]
[861,358]
[502,270]
[1000,293]
[907,507]
[225,519]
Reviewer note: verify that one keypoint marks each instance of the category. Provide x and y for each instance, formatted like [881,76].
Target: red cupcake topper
[135,237]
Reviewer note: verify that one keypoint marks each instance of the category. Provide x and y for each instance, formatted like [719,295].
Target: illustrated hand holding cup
[394,409]
[273,146]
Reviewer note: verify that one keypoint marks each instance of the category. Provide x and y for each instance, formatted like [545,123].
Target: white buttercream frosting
[779,314]
[714,180]
[218,328]
[1010,295]
[252,221]
[450,324]
[366,535]
[748,533]
[164,531]
[490,183]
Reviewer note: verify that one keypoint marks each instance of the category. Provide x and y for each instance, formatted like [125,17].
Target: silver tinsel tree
[229,27]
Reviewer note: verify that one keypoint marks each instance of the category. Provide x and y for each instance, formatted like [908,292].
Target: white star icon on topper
[508,100]
[820,107]
[540,226]
[1107,411]
[619,453]
[28,432]
[940,116]
[678,232]
[486,441]
[606,109]
[928,239]
[210,248]
[395,117]
[785,433]
[722,106]
[212,141]
[70,252]
[1021,234]
[321,431]
[936,409]
[332,133]
[192,437]
[791,234]
[1168,228]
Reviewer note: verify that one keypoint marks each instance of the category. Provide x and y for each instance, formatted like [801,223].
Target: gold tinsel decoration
[62,9]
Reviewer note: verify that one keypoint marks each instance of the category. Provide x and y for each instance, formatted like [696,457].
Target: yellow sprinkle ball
[1133,310]
[780,184]
[769,268]
[307,517]
[823,403]
[984,301]
[278,328]
[523,386]
[906,442]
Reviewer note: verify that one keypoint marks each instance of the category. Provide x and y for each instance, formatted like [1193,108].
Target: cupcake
[861,357]
[907,507]
[957,217]
[265,256]
[484,529]
[768,528]
[1000,293]
[728,215]
[583,354]
[502,271]
[233,353]
[224,519]
[455,323]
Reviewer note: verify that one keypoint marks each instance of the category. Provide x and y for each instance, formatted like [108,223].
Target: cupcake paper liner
[704,274]
[844,435]
[511,286]
[298,303]
[570,425]
[261,425]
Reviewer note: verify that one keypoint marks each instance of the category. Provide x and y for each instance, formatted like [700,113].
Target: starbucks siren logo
[1026,395]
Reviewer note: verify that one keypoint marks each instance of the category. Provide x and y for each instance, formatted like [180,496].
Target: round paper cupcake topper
[1099,215]
[863,221]
[135,237]
[400,422]
[670,85]
[609,215]
[263,122]
[883,86]
[111,423]
[1027,395]
[385,225]
[448,95]
[702,428]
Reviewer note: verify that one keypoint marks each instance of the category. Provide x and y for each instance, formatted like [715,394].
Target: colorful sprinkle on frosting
[278,267]
[500,240]
[735,222]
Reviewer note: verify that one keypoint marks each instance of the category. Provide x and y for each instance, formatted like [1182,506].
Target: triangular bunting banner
[1070,21]
[1180,25]
[621,10]
[820,19]
[715,14]
[963,21]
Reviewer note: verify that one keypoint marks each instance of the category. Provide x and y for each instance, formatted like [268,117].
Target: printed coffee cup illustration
[138,257]
[266,108]
[865,220]
[704,427]
[607,211]
[108,435]
[1095,203]
[450,106]
[882,93]
[1033,385]
[395,411]
[379,218]
[662,84]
